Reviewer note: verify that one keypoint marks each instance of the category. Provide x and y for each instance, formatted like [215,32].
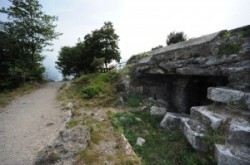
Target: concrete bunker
[181,92]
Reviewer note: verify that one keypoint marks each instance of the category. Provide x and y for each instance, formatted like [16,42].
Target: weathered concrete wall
[182,72]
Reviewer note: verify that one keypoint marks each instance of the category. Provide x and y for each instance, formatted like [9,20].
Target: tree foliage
[175,37]
[27,31]
[98,48]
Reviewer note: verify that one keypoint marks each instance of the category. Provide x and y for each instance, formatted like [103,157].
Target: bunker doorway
[196,90]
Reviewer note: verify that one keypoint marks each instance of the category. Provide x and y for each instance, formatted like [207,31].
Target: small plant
[72,123]
[195,55]
[157,47]
[53,157]
[134,101]
[226,35]
[240,35]
[91,91]
[143,54]
[228,49]
[215,135]
[120,87]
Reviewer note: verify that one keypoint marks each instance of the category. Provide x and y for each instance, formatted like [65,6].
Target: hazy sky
[142,24]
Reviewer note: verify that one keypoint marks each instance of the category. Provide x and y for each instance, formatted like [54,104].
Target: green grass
[134,100]
[93,90]
[72,123]
[162,147]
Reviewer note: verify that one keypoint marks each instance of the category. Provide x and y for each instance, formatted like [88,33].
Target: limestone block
[229,155]
[162,103]
[207,117]
[157,111]
[173,120]
[194,132]
[239,132]
[226,95]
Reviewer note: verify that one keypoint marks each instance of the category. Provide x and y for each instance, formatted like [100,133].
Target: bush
[120,88]
[228,49]
[175,37]
[91,91]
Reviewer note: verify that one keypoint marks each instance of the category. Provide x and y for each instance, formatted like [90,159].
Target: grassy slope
[106,146]
[93,97]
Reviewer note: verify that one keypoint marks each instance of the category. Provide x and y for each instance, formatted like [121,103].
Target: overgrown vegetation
[228,49]
[105,145]
[93,90]
[162,146]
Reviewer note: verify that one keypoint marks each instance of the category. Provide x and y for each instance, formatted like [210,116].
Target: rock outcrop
[68,143]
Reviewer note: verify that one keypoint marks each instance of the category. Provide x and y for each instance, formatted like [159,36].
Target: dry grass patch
[7,96]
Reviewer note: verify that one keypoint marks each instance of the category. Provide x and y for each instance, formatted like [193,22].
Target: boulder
[140,141]
[157,111]
[65,146]
[162,103]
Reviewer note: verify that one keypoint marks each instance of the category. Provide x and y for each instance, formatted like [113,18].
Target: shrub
[120,88]
[157,47]
[91,91]
[175,37]
[228,49]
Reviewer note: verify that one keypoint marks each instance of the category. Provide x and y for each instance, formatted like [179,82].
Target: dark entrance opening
[196,90]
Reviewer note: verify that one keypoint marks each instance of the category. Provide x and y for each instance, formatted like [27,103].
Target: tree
[175,37]
[32,30]
[109,44]
[103,43]
[98,48]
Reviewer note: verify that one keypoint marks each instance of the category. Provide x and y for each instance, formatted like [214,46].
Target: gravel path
[28,124]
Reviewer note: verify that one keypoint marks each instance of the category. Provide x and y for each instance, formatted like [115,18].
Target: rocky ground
[29,123]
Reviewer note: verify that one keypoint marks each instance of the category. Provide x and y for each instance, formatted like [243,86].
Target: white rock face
[157,111]
[140,141]
[226,95]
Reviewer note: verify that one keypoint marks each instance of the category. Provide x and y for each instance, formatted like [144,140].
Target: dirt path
[28,124]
